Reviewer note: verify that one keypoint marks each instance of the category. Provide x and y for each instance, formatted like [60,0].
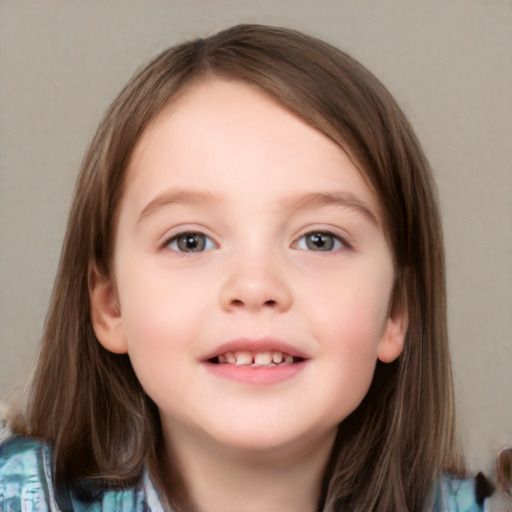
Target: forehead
[241,135]
[203,110]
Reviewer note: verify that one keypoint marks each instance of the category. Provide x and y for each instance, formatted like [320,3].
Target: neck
[220,479]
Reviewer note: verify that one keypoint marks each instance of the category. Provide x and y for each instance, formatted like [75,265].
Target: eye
[190,242]
[320,241]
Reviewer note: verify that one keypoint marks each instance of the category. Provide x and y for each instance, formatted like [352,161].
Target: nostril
[240,303]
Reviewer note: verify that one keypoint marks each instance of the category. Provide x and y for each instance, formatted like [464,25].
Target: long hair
[87,402]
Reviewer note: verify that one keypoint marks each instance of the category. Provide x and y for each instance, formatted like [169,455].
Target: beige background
[448,63]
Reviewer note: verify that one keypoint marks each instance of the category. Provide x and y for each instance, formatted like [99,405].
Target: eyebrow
[341,199]
[176,197]
[294,204]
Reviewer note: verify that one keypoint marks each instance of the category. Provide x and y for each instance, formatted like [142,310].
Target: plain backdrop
[447,62]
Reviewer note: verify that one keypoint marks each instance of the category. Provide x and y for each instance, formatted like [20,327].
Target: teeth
[247,358]
[262,359]
[243,358]
[277,357]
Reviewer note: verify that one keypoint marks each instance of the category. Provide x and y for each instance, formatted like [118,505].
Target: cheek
[157,302]
[158,323]
[356,315]
[157,348]
[350,320]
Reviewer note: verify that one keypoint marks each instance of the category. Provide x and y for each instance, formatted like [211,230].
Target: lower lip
[258,375]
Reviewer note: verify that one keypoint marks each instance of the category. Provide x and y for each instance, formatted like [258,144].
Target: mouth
[256,361]
[267,358]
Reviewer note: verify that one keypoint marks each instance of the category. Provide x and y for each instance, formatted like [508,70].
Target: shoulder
[22,459]
[25,473]
[27,483]
[456,495]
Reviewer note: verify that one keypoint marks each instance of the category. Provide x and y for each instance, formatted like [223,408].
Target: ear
[393,339]
[392,342]
[105,313]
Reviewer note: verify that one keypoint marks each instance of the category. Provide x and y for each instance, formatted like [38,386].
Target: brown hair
[87,401]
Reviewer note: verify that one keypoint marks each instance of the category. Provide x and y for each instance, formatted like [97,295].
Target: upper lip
[264,344]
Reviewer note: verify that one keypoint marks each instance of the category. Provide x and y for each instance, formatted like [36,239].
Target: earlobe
[392,342]
[105,313]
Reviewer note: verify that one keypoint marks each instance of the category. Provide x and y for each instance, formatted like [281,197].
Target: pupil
[320,241]
[191,242]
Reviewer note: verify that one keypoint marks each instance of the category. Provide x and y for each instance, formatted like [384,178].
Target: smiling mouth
[255,359]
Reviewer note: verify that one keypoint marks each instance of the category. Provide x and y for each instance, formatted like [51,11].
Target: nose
[255,283]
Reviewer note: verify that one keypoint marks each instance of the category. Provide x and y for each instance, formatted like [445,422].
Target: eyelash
[174,241]
[334,242]
[331,241]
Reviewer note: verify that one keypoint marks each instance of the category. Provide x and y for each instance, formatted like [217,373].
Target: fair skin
[251,289]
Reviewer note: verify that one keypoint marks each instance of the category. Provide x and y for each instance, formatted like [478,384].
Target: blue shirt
[26,485]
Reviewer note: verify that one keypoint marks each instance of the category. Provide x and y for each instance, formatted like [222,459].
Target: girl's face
[252,277]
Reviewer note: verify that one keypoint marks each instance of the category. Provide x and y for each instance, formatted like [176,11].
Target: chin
[273,444]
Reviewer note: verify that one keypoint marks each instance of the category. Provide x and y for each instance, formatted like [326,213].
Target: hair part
[88,403]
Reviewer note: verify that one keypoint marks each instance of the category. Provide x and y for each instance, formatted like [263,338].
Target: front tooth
[277,357]
[262,359]
[243,358]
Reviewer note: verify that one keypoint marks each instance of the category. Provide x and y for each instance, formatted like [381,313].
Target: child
[249,313]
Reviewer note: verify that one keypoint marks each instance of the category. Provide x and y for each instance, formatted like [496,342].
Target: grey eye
[319,241]
[190,242]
